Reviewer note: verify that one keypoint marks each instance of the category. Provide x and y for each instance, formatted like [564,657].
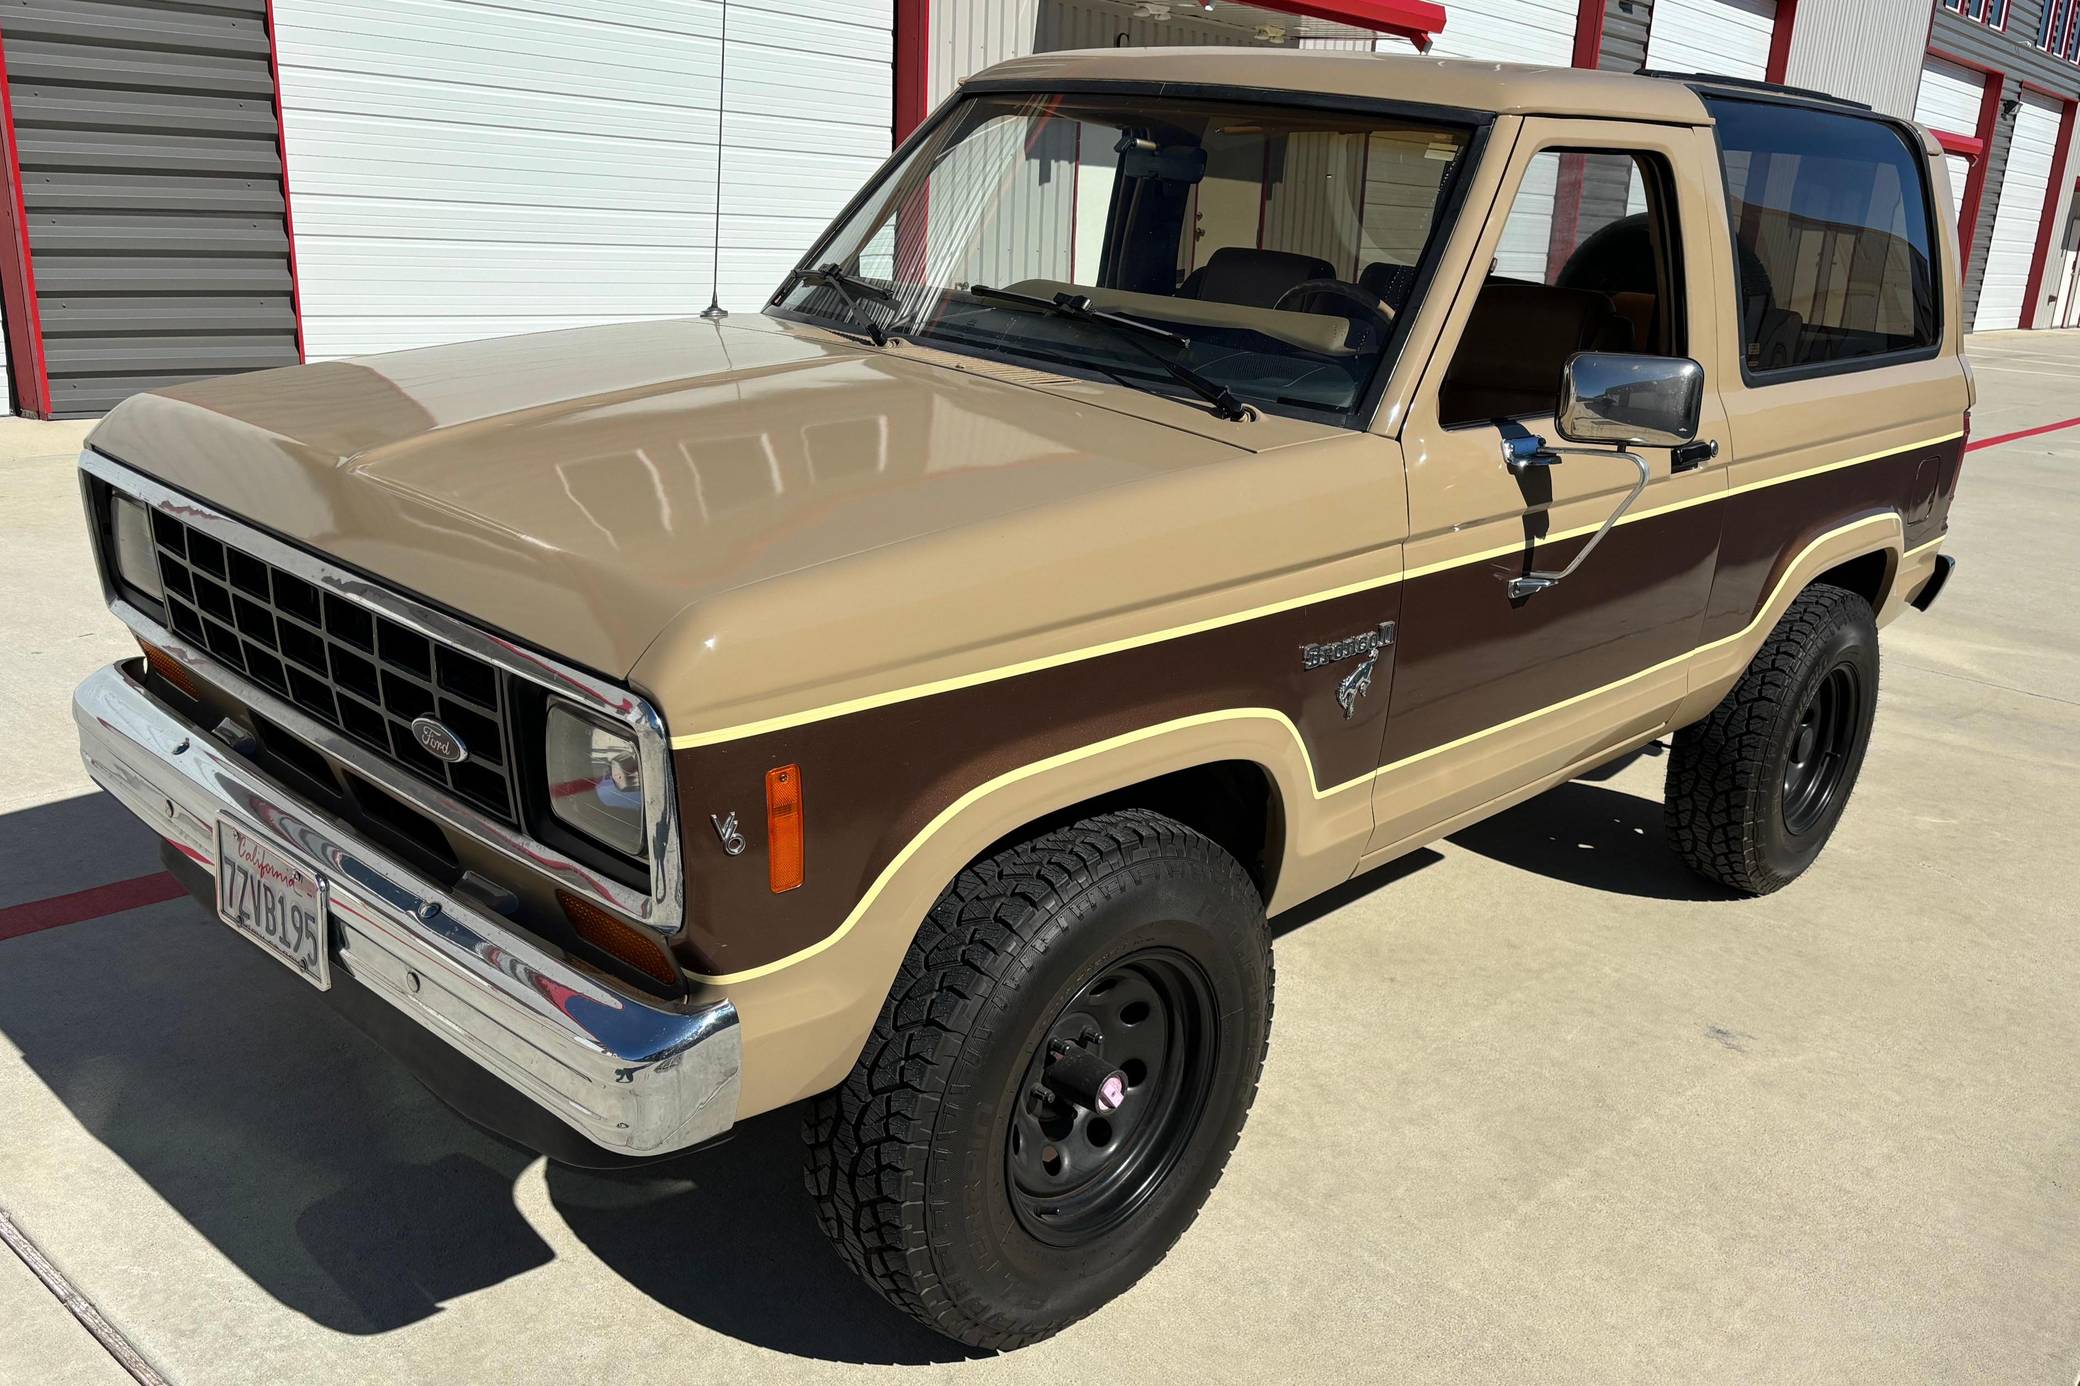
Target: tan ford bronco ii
[1181,481]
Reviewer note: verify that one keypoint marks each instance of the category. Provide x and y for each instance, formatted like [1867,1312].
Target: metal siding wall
[1626,24]
[968,35]
[1989,202]
[2015,54]
[1065,24]
[154,192]
[1866,50]
[465,169]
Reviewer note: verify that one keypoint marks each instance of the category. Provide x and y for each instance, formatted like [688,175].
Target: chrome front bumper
[635,1077]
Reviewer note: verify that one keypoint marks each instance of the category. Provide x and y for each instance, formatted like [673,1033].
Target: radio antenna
[715,309]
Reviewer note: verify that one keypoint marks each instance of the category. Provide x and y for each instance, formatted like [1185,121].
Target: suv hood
[579,489]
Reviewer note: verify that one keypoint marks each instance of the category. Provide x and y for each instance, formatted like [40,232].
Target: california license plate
[274,900]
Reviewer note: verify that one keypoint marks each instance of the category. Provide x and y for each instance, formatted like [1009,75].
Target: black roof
[1701,81]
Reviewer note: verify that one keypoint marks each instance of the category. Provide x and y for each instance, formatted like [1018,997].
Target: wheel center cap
[1802,751]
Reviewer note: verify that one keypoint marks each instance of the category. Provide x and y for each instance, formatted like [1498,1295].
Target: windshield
[1279,245]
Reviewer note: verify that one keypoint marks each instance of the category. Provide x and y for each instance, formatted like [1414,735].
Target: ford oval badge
[437,741]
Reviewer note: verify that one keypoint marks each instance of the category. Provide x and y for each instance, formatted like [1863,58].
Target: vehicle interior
[1277,248]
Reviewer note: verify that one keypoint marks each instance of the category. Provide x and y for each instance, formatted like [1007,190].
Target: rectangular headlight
[596,779]
[136,558]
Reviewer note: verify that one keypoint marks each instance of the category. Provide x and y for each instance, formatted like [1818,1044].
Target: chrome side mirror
[1633,401]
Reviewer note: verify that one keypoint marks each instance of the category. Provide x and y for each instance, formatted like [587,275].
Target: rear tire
[1756,788]
[968,1191]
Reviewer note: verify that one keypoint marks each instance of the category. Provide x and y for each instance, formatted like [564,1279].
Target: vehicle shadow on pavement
[1590,835]
[308,1158]
[727,1237]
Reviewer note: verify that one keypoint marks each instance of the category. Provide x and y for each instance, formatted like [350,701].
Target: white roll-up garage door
[1949,100]
[1509,31]
[2013,244]
[1516,31]
[461,168]
[1728,38]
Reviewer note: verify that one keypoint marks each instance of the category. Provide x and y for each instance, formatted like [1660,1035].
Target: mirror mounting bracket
[1521,455]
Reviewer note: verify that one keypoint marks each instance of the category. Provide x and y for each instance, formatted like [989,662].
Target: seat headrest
[1243,274]
[1516,342]
[1388,282]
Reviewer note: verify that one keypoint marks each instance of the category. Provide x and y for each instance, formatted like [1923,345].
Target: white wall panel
[1728,38]
[1508,31]
[464,169]
[1959,168]
[2014,241]
[1949,97]
[1866,50]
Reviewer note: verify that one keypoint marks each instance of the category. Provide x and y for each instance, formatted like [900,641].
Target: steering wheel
[1373,305]
[1336,288]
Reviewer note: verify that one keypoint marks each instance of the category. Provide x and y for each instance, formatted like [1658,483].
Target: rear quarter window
[1833,239]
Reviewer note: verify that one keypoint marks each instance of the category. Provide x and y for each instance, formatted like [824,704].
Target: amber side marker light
[618,938]
[167,668]
[784,826]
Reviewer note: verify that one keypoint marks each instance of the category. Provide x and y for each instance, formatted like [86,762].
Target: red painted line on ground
[2000,438]
[82,905]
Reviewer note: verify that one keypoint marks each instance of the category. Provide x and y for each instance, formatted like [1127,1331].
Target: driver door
[1601,239]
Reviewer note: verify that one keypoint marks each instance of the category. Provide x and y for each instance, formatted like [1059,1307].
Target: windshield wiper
[850,289]
[1137,334]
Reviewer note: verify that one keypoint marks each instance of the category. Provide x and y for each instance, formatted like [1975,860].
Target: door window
[1585,263]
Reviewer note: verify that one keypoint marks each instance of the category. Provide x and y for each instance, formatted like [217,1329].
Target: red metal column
[1975,185]
[25,362]
[1588,33]
[1780,41]
[2047,225]
[913,39]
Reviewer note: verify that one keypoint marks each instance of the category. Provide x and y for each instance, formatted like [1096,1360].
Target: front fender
[805,1017]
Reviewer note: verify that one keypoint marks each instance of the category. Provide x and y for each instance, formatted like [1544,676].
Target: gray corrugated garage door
[153,184]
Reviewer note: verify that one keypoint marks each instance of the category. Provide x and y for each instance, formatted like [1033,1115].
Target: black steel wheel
[1756,788]
[1080,1162]
[1823,743]
[1055,1083]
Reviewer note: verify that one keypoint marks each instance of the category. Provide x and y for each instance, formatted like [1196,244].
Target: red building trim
[1966,145]
[25,359]
[913,40]
[1418,21]
[281,150]
[1975,184]
[1780,41]
[2047,224]
[1588,33]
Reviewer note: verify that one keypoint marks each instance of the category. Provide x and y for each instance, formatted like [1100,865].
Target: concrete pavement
[1539,1106]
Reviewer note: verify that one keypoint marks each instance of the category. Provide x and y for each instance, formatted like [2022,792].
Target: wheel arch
[1870,547]
[1869,575]
[807,1017]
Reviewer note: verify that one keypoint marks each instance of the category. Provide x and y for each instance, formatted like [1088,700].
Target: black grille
[355,671]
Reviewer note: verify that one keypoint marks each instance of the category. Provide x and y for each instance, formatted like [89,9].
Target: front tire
[1756,788]
[959,1170]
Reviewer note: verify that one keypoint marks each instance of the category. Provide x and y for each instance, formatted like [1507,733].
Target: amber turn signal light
[784,826]
[618,938]
[167,668]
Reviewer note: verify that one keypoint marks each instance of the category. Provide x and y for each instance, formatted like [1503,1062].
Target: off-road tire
[1725,802]
[907,1159]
